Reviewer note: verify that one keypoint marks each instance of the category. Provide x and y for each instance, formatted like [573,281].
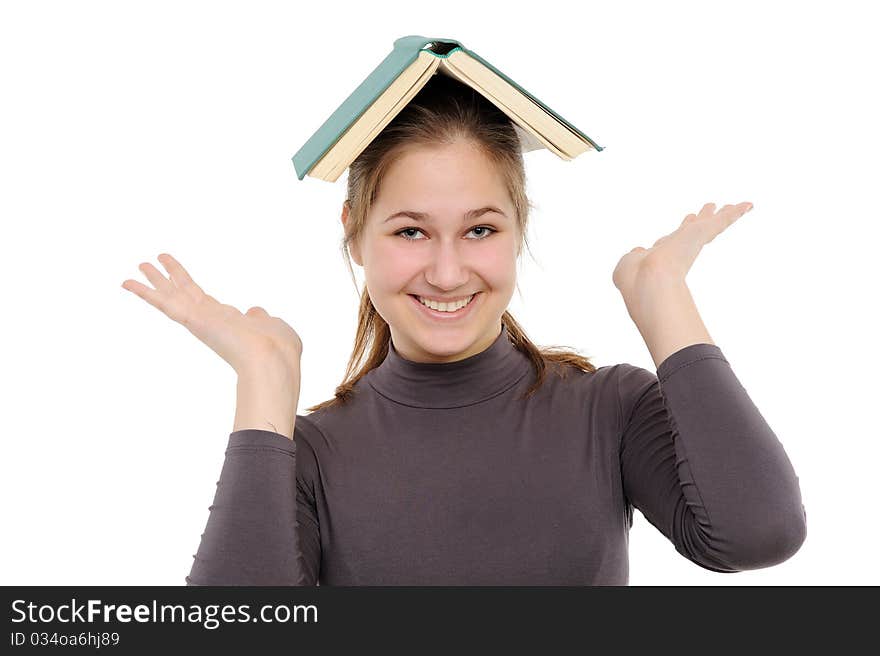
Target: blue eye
[486,234]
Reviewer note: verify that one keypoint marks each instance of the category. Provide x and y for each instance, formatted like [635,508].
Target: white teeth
[446,307]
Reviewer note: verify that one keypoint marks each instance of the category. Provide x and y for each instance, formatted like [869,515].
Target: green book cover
[405,51]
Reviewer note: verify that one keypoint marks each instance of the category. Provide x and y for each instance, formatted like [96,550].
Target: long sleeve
[262,528]
[702,465]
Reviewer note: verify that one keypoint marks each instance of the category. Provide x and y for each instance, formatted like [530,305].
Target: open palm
[244,340]
[671,256]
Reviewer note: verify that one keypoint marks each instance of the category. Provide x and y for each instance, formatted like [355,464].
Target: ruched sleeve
[702,465]
[262,528]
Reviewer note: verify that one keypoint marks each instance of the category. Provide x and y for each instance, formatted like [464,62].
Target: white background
[131,129]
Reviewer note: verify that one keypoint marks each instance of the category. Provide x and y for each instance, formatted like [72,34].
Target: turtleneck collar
[451,384]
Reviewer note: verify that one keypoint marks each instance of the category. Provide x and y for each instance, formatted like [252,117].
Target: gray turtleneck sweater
[439,474]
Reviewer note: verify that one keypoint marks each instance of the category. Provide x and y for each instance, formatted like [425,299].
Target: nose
[448,268]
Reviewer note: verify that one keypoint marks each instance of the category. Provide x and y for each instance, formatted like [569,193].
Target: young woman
[455,451]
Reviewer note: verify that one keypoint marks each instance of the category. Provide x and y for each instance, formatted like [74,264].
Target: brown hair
[443,111]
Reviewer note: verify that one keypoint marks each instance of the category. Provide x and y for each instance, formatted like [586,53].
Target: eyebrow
[423,216]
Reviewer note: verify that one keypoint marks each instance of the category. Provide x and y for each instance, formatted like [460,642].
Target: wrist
[653,294]
[272,371]
[267,402]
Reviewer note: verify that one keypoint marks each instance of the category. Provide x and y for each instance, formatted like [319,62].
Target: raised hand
[652,281]
[246,341]
[671,256]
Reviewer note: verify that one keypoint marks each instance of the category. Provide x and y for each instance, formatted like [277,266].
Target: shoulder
[604,377]
[324,427]
[310,427]
[632,379]
[617,386]
[602,387]
[308,434]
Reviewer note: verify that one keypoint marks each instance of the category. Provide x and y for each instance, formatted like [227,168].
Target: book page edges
[359,135]
[534,126]
[511,101]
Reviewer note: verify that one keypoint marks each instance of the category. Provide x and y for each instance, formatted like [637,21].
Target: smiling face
[454,248]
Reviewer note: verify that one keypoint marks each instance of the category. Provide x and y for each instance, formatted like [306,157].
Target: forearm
[251,537]
[667,318]
[267,399]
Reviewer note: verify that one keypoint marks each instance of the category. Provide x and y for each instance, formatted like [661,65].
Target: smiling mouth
[446,312]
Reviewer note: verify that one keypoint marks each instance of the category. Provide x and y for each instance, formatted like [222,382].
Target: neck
[462,382]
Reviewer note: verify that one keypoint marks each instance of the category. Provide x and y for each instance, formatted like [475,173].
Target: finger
[740,208]
[708,209]
[151,296]
[733,212]
[726,217]
[153,274]
[178,274]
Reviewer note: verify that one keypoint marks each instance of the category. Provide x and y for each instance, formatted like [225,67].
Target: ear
[354,247]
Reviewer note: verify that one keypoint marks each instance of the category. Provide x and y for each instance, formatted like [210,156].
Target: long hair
[443,111]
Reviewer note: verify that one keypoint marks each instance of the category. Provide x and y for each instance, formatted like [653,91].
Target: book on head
[400,76]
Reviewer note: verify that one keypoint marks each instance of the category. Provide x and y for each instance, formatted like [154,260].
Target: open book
[394,82]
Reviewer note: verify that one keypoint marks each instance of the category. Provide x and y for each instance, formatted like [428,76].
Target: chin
[450,340]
